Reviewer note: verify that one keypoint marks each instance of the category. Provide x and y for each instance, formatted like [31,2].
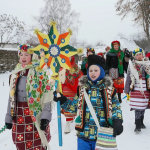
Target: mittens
[62,99]
[117,126]
[8,125]
[44,124]
[128,97]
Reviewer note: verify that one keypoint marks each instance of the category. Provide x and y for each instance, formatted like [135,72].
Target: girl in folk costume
[95,84]
[69,89]
[115,64]
[137,84]
[29,104]
[90,51]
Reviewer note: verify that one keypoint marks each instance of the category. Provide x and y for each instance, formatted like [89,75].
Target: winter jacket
[95,94]
[112,62]
[22,97]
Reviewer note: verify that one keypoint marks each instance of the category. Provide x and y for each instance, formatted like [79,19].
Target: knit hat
[138,50]
[91,50]
[24,48]
[96,60]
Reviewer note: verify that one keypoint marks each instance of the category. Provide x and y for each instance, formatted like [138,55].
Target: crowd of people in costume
[100,79]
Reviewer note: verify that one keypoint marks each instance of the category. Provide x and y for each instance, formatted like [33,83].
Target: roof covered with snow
[126,43]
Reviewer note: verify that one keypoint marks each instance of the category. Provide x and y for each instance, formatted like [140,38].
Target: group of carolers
[31,96]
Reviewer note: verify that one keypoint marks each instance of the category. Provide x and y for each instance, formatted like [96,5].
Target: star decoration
[54,49]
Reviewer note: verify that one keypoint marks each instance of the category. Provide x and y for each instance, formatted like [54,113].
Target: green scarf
[120,55]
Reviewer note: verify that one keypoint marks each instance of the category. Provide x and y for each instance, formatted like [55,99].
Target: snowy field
[127,141]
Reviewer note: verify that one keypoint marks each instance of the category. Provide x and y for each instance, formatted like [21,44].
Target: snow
[9,49]
[79,63]
[128,140]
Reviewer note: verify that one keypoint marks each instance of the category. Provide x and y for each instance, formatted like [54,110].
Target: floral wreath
[24,48]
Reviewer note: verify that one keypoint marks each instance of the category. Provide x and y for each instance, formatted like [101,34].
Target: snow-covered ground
[127,141]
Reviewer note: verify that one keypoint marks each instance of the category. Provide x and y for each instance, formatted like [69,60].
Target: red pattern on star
[26,111]
[20,137]
[37,148]
[36,135]
[20,120]
[29,144]
[29,128]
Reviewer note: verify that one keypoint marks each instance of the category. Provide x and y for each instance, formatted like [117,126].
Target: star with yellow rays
[54,49]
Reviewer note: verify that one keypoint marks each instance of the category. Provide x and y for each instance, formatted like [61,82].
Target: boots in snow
[138,126]
[119,97]
[142,124]
[67,128]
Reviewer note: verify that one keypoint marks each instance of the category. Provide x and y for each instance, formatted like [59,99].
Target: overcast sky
[99,20]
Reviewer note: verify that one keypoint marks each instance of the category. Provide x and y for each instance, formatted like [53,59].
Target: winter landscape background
[95,24]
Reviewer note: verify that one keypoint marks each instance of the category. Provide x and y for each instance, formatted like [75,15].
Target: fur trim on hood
[107,80]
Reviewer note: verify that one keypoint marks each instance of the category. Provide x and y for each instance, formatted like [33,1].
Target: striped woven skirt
[140,100]
[24,133]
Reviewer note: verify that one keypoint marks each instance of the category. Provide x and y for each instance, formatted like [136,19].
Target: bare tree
[32,40]
[59,11]
[11,30]
[140,9]
[141,40]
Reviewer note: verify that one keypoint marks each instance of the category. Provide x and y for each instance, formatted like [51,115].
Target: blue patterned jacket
[95,92]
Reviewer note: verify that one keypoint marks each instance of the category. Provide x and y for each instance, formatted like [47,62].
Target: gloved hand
[9,125]
[117,126]
[62,99]
[44,124]
[128,97]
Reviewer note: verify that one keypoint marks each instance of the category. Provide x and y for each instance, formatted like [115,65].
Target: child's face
[116,47]
[94,72]
[139,56]
[25,58]
[89,53]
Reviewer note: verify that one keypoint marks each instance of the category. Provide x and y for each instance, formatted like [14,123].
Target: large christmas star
[55,49]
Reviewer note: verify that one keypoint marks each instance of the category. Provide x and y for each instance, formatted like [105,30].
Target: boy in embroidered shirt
[95,84]
[29,105]
[139,87]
